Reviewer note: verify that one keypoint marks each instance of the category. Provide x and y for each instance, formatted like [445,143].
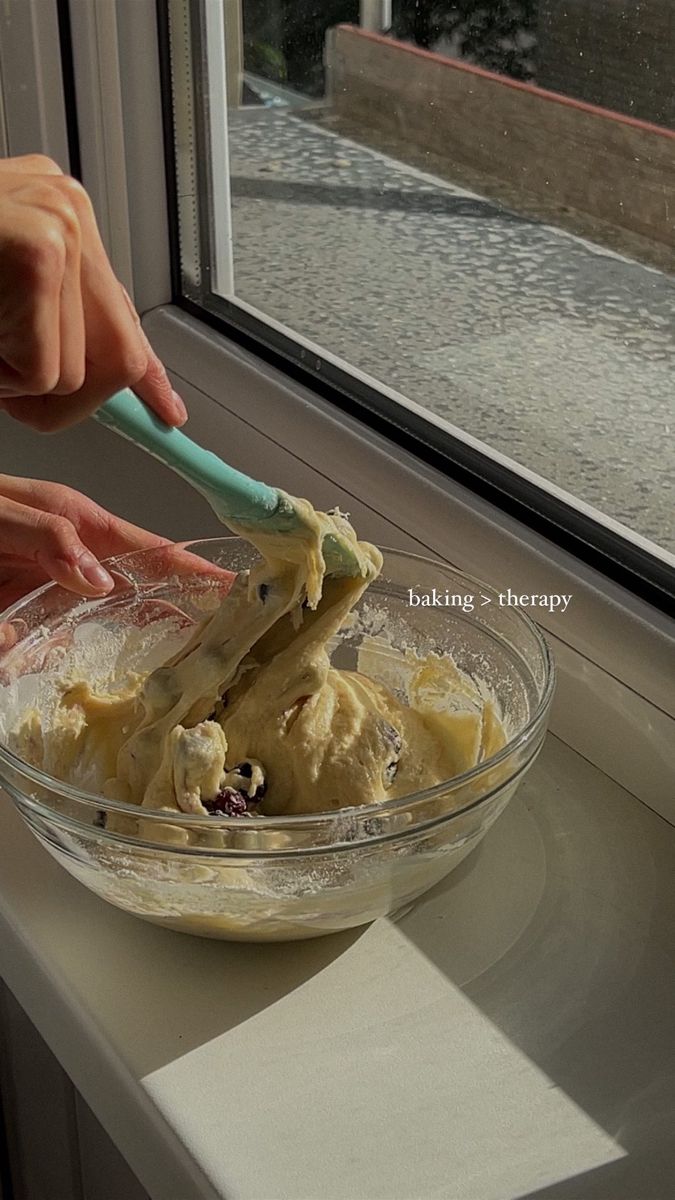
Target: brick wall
[619,54]
[593,162]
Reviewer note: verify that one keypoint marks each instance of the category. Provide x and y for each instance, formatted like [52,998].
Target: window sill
[516,1004]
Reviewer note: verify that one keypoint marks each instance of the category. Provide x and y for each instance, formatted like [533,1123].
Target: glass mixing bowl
[273,878]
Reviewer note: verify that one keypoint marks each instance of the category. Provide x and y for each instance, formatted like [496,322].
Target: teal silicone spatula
[234,497]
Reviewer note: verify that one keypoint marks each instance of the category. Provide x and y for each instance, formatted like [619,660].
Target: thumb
[52,543]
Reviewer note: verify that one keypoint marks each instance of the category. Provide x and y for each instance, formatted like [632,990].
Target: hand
[69,334]
[48,531]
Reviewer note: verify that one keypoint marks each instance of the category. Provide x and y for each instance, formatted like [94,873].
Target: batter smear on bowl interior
[250,717]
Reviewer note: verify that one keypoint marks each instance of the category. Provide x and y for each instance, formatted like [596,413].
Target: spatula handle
[232,495]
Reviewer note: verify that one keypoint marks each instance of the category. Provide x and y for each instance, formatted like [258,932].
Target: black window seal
[69,90]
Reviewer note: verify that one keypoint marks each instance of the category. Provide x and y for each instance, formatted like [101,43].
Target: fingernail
[95,575]
[179,407]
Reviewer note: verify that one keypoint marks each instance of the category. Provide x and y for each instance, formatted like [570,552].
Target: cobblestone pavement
[554,352]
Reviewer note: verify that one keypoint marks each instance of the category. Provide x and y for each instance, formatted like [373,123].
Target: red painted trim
[516,84]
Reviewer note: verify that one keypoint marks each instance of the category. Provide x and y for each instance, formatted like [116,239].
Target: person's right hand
[69,334]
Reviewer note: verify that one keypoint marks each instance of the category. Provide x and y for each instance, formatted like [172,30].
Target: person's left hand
[51,532]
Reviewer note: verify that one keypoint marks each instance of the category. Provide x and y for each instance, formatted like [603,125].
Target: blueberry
[228,802]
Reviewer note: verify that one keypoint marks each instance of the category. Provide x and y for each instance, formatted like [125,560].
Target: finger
[108,535]
[178,560]
[154,387]
[8,635]
[34,271]
[70,344]
[104,533]
[31,164]
[44,414]
[51,542]
[115,351]
[118,352]
[72,373]
[111,537]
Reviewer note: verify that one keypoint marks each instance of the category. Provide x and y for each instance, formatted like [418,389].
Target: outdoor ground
[554,351]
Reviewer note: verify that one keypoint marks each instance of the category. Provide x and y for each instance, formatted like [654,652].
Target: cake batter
[250,717]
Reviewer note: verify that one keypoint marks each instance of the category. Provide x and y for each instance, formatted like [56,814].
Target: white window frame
[32,110]
[615,653]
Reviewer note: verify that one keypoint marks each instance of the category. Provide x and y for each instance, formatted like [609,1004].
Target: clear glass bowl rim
[388,807]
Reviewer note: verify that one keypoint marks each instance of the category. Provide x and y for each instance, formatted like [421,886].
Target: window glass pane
[471,204]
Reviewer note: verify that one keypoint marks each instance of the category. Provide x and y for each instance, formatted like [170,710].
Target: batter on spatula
[250,717]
